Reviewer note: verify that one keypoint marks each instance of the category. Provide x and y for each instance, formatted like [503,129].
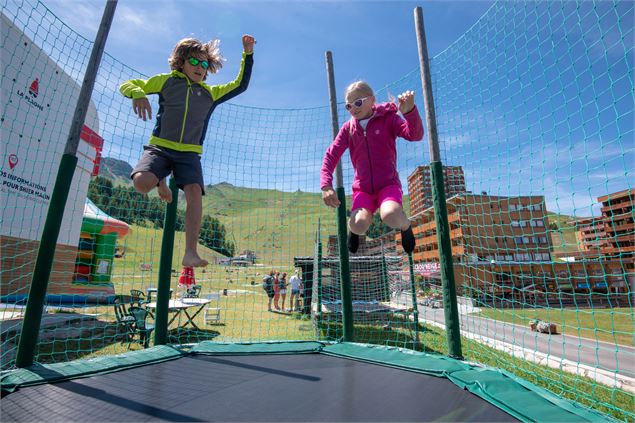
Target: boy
[185,105]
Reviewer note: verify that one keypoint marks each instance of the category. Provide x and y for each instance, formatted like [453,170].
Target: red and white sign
[427,269]
[40,98]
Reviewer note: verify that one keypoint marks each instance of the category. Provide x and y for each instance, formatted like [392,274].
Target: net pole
[345,274]
[165,268]
[450,308]
[55,215]
[317,271]
[415,310]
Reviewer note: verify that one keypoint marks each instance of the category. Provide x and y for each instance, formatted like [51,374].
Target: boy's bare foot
[192,259]
[164,191]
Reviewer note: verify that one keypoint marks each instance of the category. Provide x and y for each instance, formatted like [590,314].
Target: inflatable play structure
[87,278]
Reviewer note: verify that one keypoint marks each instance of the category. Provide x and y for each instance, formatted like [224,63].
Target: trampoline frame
[509,393]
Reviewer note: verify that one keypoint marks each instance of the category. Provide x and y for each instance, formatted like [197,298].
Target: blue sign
[601,285]
[584,285]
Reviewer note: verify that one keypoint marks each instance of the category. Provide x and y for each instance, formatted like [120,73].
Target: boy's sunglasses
[357,103]
[195,62]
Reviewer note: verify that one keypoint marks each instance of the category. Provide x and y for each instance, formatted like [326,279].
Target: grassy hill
[143,245]
[279,225]
[115,169]
[563,239]
[276,225]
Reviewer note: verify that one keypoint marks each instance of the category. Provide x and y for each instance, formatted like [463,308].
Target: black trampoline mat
[271,388]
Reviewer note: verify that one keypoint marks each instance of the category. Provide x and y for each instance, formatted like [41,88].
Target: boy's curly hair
[188,47]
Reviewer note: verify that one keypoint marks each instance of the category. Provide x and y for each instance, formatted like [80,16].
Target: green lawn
[614,325]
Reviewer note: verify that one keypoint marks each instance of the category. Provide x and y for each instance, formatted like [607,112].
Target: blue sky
[533,98]
[369,40]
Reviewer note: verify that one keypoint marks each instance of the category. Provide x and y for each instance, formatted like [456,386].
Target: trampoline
[286,381]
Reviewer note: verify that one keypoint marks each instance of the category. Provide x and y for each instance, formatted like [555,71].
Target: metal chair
[125,321]
[141,326]
[138,297]
[212,315]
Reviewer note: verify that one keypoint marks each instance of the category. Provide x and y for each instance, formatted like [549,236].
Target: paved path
[596,354]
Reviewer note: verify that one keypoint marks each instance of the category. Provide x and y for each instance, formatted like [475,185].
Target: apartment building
[485,228]
[590,235]
[619,228]
[420,186]
[610,237]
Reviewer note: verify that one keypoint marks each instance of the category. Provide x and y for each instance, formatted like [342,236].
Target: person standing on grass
[296,284]
[186,104]
[370,136]
[276,291]
[267,285]
[282,286]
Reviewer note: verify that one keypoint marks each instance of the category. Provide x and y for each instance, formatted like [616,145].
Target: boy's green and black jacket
[184,106]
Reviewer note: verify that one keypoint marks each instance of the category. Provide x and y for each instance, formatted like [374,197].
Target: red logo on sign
[35,87]
[13,160]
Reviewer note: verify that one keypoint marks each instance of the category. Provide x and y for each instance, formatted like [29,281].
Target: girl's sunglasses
[357,103]
[195,62]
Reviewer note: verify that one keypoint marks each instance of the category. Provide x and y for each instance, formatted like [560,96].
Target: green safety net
[534,108]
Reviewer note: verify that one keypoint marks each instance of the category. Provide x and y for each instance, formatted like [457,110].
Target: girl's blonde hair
[361,87]
[189,47]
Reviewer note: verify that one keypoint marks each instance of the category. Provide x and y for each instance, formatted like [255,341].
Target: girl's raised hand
[248,43]
[406,101]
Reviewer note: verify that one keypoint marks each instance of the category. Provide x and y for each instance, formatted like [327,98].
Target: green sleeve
[138,88]
[221,93]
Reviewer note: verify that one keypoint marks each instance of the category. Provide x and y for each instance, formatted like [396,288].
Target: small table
[181,306]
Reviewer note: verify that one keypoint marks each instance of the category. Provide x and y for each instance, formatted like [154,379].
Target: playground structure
[284,236]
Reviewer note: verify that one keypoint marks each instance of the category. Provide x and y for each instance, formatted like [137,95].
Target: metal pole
[165,269]
[55,215]
[415,307]
[345,274]
[451,311]
[317,271]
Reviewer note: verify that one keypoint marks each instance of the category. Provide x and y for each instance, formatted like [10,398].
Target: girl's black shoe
[353,242]
[408,240]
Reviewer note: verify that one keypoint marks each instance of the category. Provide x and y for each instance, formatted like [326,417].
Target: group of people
[186,104]
[275,285]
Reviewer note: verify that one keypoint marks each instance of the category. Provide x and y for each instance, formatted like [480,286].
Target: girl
[370,136]
[276,291]
[282,286]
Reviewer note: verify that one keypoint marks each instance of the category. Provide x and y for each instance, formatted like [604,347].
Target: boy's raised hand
[406,101]
[248,43]
[330,197]
[142,108]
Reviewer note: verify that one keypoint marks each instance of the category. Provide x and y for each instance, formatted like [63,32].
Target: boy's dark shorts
[186,166]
